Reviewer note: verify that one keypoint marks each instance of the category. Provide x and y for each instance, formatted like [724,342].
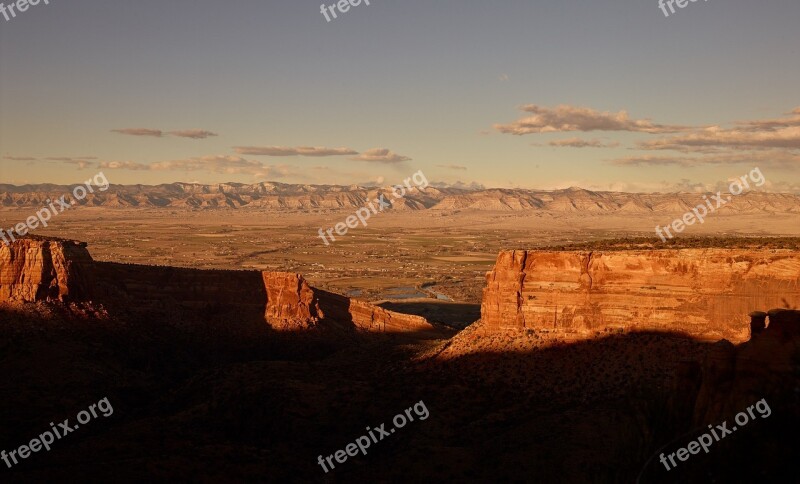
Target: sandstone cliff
[294,305]
[706,293]
[34,269]
[38,269]
[291,303]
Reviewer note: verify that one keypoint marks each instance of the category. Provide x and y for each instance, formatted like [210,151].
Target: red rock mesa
[706,293]
[293,304]
[45,270]
[38,269]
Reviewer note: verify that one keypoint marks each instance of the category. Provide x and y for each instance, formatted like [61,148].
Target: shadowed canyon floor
[202,402]
[205,386]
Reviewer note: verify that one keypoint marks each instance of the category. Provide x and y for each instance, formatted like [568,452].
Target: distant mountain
[281,196]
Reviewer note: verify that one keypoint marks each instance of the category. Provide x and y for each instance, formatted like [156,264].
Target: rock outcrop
[705,293]
[35,269]
[294,305]
[291,303]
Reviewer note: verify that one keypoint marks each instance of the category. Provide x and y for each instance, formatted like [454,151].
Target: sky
[601,94]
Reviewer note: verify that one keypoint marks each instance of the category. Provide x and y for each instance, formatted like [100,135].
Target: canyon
[205,364]
[37,269]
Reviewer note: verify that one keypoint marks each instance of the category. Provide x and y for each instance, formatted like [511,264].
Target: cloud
[228,165]
[156,133]
[650,161]
[758,134]
[459,184]
[793,120]
[231,165]
[71,159]
[774,159]
[564,118]
[193,133]
[579,143]
[503,77]
[123,165]
[20,158]
[750,137]
[453,167]
[381,155]
[83,162]
[293,151]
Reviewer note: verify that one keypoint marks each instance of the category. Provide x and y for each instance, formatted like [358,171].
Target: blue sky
[534,94]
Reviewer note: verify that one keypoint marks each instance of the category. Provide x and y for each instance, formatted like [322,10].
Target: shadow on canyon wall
[209,395]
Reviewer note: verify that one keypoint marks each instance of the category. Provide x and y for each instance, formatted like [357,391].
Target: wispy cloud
[123,165]
[217,164]
[453,167]
[71,159]
[82,162]
[156,133]
[222,164]
[775,159]
[20,158]
[791,120]
[564,118]
[459,184]
[316,151]
[580,143]
[381,155]
[715,137]
[193,133]
[755,135]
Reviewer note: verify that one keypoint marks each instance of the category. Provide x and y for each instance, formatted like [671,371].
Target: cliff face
[63,271]
[294,305]
[45,270]
[703,292]
[291,303]
[194,289]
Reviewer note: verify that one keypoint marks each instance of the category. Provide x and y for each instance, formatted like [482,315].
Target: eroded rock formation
[47,270]
[706,293]
[35,269]
[292,304]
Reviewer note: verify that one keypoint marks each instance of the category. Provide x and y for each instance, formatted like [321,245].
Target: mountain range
[280,196]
